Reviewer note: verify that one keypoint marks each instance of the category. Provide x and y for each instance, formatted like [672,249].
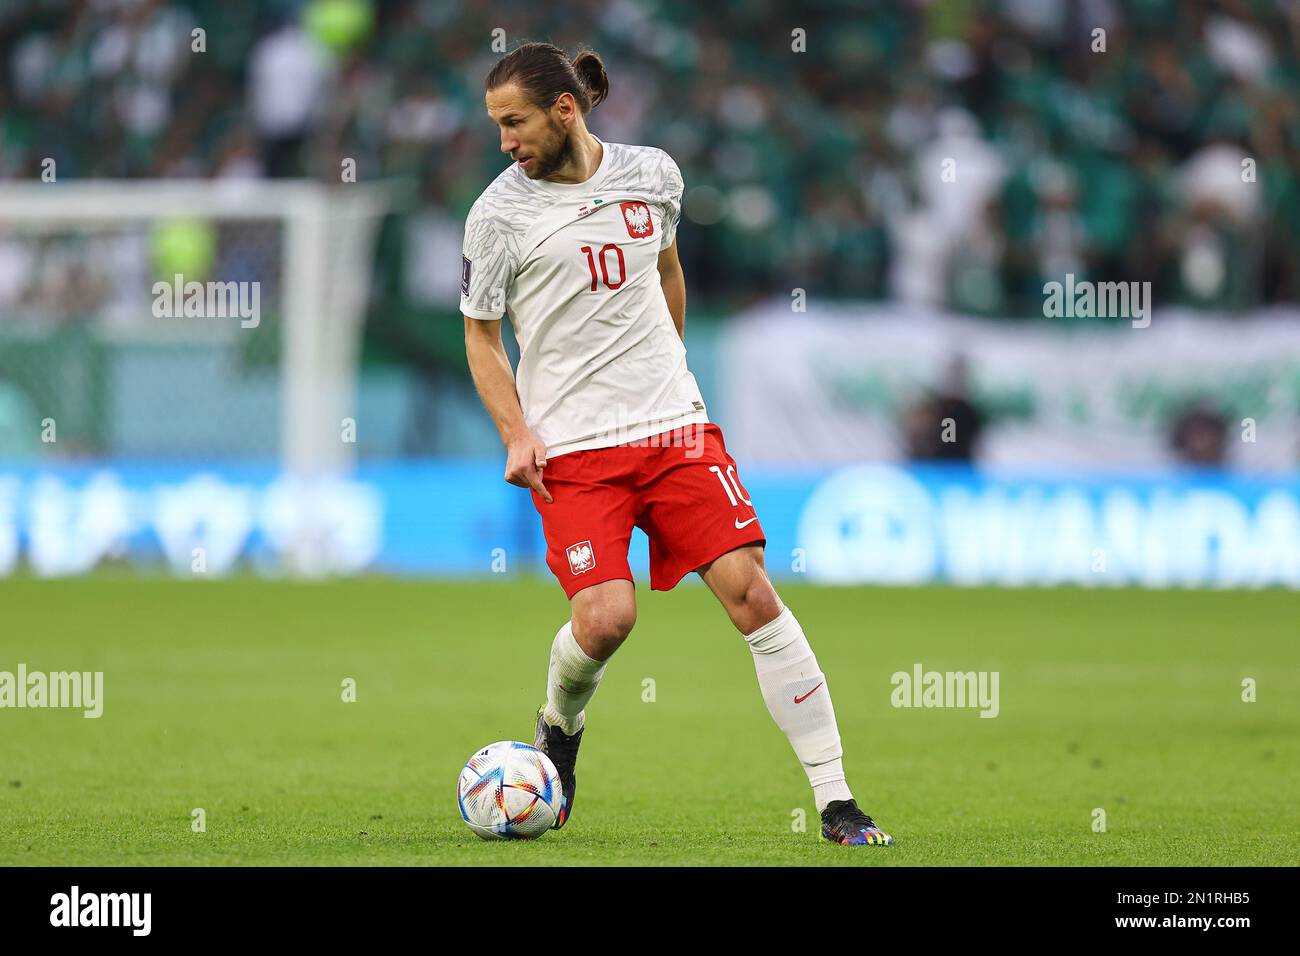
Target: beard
[557,152]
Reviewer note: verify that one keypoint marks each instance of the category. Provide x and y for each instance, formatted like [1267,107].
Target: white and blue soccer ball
[509,791]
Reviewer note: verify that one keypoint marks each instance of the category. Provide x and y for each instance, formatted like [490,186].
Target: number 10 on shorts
[738,493]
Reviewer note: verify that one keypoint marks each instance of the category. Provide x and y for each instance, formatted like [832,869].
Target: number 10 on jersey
[604,266]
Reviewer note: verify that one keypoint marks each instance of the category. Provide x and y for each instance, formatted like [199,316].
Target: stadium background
[850,292]
[815,176]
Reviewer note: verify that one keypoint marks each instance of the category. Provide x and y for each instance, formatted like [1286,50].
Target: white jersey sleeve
[672,204]
[488,265]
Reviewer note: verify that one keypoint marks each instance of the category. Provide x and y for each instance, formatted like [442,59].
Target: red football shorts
[681,488]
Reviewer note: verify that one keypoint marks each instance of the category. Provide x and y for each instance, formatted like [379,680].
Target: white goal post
[321,240]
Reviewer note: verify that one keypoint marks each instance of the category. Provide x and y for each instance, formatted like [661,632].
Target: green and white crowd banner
[832,385]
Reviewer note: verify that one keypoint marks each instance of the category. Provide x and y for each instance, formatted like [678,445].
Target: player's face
[537,139]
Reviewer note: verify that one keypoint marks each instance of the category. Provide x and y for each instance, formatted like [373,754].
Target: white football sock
[571,680]
[798,699]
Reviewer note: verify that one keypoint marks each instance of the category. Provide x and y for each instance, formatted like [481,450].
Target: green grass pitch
[227,696]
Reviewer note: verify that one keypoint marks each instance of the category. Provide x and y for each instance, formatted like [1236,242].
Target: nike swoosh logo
[800,700]
[740,526]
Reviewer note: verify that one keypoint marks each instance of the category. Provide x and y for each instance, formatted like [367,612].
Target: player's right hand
[525,460]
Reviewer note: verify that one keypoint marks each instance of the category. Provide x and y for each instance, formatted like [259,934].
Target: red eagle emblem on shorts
[636,216]
[581,558]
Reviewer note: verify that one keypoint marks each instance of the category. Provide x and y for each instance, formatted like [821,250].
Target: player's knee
[600,630]
[764,608]
[758,605]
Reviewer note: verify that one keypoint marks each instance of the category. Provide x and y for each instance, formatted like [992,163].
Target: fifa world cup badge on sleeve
[465,267]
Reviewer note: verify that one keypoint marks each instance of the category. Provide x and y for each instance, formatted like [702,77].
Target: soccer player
[576,240]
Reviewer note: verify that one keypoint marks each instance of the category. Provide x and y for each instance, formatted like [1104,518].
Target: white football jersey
[576,267]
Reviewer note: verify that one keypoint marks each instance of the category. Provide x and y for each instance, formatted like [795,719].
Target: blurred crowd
[956,152]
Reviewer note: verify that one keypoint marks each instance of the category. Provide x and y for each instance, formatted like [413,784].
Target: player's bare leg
[602,617]
[793,687]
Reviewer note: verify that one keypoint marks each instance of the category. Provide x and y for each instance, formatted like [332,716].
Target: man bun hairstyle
[591,70]
[543,72]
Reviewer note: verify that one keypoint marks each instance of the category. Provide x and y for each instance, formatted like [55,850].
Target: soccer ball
[509,791]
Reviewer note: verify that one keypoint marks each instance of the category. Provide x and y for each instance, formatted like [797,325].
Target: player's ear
[565,107]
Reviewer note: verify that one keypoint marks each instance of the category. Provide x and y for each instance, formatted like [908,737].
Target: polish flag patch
[581,557]
[636,216]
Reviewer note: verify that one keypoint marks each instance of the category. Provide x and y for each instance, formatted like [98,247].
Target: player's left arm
[673,282]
